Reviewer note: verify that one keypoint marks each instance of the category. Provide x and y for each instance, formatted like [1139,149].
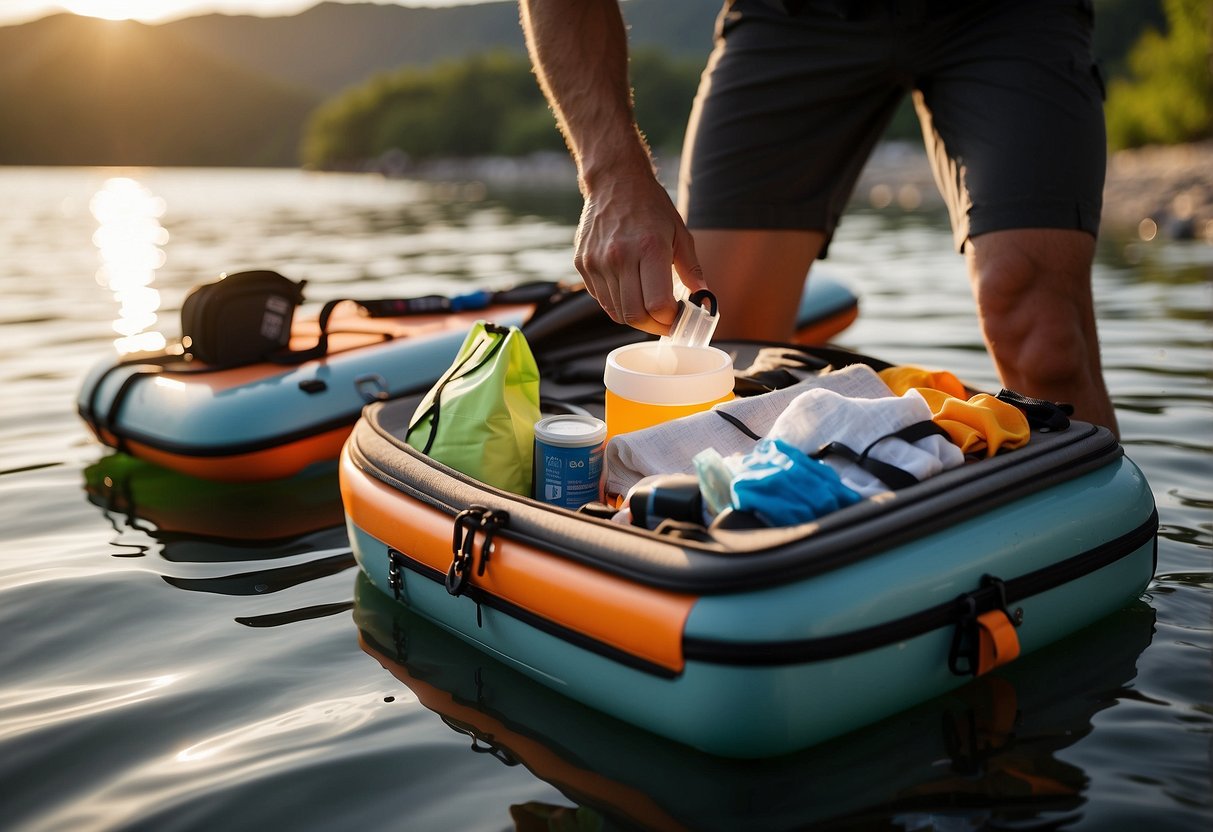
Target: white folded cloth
[670,448]
[817,417]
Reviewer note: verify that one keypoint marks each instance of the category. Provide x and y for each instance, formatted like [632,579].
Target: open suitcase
[756,642]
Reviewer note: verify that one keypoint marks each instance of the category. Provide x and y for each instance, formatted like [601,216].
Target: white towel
[670,448]
[817,417]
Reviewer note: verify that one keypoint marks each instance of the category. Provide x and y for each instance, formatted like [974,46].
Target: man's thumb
[686,264]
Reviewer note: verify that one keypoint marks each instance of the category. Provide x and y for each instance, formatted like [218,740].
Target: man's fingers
[599,284]
[686,264]
[628,237]
[658,305]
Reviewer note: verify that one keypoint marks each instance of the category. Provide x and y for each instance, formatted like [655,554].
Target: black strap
[536,292]
[892,476]
[1042,415]
[144,365]
[321,348]
[291,357]
[737,423]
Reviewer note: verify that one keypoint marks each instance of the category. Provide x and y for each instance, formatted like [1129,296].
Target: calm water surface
[184,656]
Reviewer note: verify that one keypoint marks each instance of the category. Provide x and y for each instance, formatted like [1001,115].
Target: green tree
[1168,97]
[483,105]
[664,89]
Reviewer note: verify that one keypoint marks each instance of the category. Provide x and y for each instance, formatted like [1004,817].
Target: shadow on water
[988,752]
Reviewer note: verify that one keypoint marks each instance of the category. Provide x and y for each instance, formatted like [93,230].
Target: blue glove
[783,486]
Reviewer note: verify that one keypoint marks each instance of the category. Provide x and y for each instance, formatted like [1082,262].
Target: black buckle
[395,580]
[963,656]
[463,544]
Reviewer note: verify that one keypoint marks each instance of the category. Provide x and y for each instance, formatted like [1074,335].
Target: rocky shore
[1164,191]
[1152,191]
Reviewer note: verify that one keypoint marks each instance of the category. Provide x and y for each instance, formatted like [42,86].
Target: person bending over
[793,98]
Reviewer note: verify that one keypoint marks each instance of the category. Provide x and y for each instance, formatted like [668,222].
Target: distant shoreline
[1163,190]
[1153,191]
[1169,186]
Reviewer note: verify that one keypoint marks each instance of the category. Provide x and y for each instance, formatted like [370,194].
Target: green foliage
[1169,96]
[484,105]
[664,90]
[1118,25]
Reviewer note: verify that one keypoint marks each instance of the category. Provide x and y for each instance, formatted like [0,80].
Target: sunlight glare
[117,9]
[128,239]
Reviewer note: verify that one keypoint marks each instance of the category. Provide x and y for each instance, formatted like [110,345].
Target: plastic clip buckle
[985,636]
[463,544]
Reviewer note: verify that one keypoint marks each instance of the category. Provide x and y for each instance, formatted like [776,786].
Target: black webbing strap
[1042,415]
[321,347]
[890,475]
[737,423]
[144,365]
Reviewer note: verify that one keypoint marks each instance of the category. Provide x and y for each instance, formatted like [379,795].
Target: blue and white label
[568,460]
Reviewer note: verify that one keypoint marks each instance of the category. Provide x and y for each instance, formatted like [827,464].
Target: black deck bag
[242,318]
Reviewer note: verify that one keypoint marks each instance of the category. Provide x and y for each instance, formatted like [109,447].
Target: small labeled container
[568,459]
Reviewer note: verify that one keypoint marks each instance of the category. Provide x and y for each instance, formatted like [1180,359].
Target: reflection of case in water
[998,735]
[201,521]
[178,503]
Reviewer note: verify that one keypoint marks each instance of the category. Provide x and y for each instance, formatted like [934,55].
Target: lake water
[189,657]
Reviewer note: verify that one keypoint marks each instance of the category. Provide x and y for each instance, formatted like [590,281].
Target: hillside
[236,90]
[332,46]
[95,92]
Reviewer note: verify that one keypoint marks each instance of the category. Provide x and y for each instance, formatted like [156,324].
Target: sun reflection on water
[128,237]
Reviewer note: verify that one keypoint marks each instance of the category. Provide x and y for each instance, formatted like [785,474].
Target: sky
[158,11]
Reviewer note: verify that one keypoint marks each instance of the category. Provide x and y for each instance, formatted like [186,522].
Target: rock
[1166,190]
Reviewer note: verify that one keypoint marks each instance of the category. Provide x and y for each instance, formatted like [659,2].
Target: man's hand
[630,235]
[630,232]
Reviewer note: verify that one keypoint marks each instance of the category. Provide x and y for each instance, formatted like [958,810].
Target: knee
[1036,315]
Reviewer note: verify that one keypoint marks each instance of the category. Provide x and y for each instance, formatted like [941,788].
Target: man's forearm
[580,54]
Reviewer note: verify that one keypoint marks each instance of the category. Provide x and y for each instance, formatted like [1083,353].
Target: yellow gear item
[981,423]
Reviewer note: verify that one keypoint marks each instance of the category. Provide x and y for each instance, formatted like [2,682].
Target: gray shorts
[793,101]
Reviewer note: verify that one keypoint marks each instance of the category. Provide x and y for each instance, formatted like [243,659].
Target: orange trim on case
[642,621]
[256,466]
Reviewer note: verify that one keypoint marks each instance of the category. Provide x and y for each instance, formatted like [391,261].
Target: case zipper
[993,595]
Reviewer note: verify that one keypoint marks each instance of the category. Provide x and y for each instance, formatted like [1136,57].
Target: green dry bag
[479,418]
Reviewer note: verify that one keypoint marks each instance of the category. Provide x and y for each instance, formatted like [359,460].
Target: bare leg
[757,276]
[1033,291]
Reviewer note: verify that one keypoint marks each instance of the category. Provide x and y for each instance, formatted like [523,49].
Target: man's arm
[630,232]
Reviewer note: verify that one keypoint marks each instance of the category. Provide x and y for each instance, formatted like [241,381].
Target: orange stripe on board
[823,331]
[639,620]
[256,466]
